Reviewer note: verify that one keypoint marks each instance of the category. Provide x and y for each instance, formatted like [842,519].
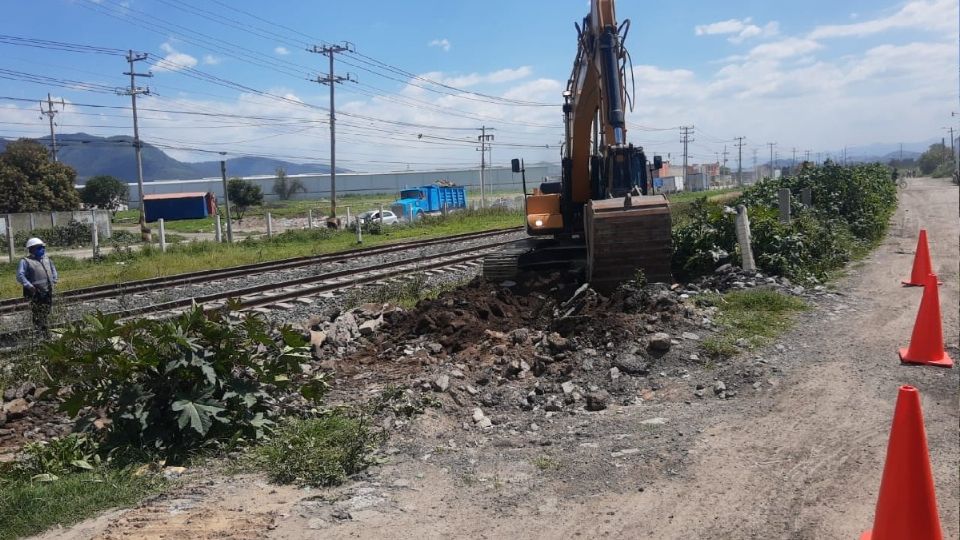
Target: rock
[568,387]
[690,335]
[172,473]
[724,269]
[659,342]
[478,415]
[3,418]
[614,373]
[317,338]
[597,401]
[520,336]
[485,423]
[370,326]
[16,408]
[490,399]
[435,348]
[632,364]
[26,389]
[9,394]
[343,330]
[658,421]
[557,343]
[719,388]
[698,392]
[471,390]
[441,383]
[743,343]
[457,373]
[507,284]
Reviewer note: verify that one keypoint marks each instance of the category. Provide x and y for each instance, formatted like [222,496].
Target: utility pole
[739,160]
[793,163]
[756,172]
[844,156]
[806,157]
[483,139]
[226,198]
[771,145]
[333,81]
[901,153]
[132,92]
[953,148]
[685,138]
[50,112]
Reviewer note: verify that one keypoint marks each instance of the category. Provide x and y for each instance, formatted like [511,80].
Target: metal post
[11,252]
[784,194]
[163,236]
[309,218]
[217,234]
[359,234]
[226,200]
[269,225]
[743,238]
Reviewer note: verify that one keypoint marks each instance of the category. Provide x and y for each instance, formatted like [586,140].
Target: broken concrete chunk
[659,342]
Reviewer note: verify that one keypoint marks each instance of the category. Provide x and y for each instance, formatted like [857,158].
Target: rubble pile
[29,413]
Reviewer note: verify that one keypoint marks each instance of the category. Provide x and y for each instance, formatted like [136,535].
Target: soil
[784,442]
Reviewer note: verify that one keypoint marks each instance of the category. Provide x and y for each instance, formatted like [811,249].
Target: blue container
[174,206]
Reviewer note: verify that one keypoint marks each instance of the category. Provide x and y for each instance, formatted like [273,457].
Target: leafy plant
[243,194]
[285,187]
[47,460]
[106,192]
[175,385]
[74,233]
[32,182]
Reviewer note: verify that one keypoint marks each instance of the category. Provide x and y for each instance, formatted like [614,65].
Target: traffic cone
[907,505]
[921,263]
[926,343]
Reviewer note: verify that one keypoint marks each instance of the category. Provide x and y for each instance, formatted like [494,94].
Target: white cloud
[210,60]
[443,43]
[174,60]
[281,51]
[473,79]
[785,48]
[738,30]
[926,15]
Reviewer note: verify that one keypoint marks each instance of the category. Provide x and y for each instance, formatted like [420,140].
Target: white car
[373,216]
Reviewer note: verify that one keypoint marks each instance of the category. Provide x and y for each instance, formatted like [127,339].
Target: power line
[332,81]
[133,92]
[50,112]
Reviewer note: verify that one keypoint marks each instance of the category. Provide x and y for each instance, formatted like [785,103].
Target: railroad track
[306,289]
[12,305]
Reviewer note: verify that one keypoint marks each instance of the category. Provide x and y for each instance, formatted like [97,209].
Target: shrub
[74,233]
[176,385]
[106,192]
[285,187]
[49,459]
[243,194]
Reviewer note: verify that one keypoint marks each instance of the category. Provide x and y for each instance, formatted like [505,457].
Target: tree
[284,187]
[31,182]
[243,194]
[937,160]
[105,192]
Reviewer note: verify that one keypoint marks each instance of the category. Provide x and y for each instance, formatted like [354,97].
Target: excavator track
[543,255]
[627,234]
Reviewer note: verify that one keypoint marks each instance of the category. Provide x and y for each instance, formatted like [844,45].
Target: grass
[29,507]
[546,463]
[322,451]
[150,262]
[404,293]
[757,316]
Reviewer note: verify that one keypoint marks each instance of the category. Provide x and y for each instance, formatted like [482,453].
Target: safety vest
[39,273]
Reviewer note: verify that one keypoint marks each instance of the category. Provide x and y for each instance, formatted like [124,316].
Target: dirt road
[799,455]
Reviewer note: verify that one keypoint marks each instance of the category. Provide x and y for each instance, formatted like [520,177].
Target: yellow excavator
[600,216]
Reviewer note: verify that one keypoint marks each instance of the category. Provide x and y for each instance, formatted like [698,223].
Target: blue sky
[814,76]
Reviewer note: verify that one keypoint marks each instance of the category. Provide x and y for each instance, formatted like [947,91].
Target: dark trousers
[40,306]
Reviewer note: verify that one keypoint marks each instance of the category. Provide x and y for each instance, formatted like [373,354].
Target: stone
[485,423]
[369,327]
[369,311]
[597,401]
[658,421]
[568,387]
[659,342]
[9,394]
[471,390]
[441,383]
[557,343]
[435,348]
[3,418]
[690,336]
[478,415]
[631,364]
[624,452]
[343,330]
[457,373]
[16,408]
[719,388]
[317,338]
[614,373]
[26,389]
[520,336]
[724,269]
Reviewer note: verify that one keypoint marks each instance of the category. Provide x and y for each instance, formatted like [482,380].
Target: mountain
[91,155]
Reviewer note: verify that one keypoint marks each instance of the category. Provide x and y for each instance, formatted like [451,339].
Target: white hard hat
[34,242]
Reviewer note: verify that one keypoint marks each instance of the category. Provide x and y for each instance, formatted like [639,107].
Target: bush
[105,192]
[73,234]
[852,206]
[176,385]
[285,187]
[322,451]
[243,194]
[47,460]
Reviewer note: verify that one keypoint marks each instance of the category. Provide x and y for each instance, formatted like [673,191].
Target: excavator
[601,217]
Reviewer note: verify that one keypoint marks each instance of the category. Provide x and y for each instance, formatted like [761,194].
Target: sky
[237,76]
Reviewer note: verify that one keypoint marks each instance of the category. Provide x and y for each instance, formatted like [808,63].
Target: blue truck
[417,201]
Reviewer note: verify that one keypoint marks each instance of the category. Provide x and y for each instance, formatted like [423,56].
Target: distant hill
[91,155]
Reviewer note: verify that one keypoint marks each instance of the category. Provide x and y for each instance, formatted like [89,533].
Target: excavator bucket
[625,235]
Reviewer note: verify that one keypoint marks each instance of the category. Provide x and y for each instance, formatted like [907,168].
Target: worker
[38,276]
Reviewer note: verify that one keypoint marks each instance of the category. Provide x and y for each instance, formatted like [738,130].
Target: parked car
[373,216]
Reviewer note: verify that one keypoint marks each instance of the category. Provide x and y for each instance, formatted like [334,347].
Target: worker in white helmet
[38,276]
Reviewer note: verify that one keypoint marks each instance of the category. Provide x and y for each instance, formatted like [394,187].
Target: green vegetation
[284,187]
[243,195]
[321,451]
[682,203]
[757,316]
[31,182]
[105,192]
[937,161]
[177,385]
[150,262]
[29,506]
[546,463]
[851,208]
[406,293]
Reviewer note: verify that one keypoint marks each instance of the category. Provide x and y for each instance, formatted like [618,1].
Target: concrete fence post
[218,233]
[163,236]
[95,234]
[309,218]
[443,209]
[53,219]
[347,224]
[806,197]
[743,238]
[11,252]
[784,195]
[380,209]
[359,233]
[33,221]
[269,225]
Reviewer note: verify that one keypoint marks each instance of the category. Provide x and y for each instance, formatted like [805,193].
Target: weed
[757,316]
[546,463]
[321,451]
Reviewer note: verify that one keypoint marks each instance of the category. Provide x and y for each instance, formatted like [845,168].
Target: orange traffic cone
[907,506]
[921,263]
[926,343]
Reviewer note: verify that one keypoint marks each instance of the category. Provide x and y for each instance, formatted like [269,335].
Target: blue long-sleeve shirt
[22,273]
